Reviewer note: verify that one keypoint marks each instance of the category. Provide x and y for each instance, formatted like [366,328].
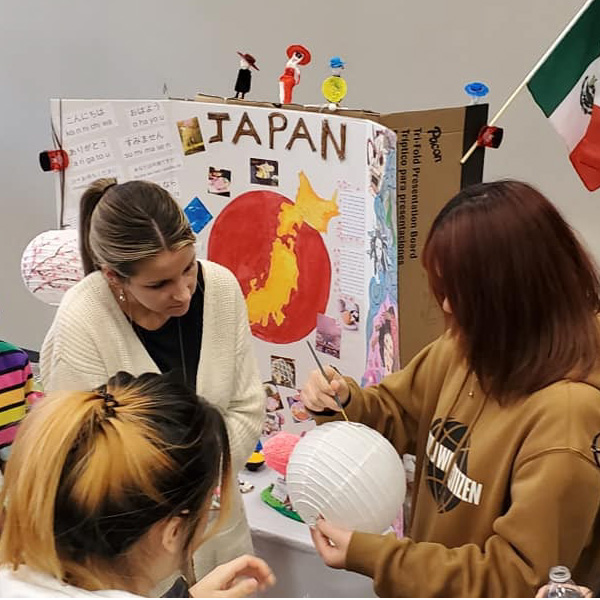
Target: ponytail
[89,201]
[92,472]
[34,472]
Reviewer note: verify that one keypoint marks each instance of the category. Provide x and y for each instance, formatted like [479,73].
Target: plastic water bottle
[561,585]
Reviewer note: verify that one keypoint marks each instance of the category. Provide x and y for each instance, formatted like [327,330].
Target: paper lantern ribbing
[51,264]
[348,473]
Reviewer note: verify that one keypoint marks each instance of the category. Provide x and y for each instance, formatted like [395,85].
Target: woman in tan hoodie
[502,411]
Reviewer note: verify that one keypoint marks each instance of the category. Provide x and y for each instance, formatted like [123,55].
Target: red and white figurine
[298,56]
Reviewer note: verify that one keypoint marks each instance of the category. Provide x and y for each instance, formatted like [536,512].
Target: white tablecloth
[287,546]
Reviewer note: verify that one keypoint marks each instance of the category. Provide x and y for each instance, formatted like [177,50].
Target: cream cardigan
[91,339]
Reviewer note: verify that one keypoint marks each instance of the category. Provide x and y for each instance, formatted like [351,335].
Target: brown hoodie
[502,493]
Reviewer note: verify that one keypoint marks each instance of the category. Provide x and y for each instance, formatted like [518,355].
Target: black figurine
[244,78]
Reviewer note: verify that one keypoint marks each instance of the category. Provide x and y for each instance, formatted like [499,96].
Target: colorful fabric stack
[17,391]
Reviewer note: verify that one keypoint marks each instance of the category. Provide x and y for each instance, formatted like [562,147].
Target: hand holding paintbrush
[324,389]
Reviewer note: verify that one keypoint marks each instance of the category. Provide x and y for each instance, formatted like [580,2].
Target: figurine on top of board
[297,56]
[244,78]
[334,88]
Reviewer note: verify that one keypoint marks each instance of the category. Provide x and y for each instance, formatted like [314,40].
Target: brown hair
[123,224]
[91,472]
[524,293]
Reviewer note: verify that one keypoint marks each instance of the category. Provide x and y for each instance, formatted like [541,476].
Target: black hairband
[109,402]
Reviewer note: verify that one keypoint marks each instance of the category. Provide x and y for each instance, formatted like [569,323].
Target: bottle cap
[560,574]
[476,90]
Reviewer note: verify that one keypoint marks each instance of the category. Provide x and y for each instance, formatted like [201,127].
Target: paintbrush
[335,396]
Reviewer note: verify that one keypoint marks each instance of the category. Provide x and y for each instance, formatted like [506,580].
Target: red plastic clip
[54,160]
[490,136]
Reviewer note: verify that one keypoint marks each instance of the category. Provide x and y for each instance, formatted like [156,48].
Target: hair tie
[109,403]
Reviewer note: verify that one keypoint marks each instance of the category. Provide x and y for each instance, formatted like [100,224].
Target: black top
[242,83]
[163,344]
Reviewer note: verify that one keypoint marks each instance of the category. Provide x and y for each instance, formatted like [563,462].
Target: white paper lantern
[350,474]
[51,264]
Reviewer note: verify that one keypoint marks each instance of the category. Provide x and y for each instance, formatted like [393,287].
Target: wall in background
[401,55]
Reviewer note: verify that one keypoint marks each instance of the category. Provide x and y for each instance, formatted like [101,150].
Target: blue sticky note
[198,215]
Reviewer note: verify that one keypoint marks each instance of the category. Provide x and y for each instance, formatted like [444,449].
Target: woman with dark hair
[501,411]
[107,493]
[148,305]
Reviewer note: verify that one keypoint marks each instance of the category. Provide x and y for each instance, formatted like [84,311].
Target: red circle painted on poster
[242,239]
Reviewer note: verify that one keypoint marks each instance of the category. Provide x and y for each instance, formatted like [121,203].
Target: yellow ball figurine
[257,459]
[334,88]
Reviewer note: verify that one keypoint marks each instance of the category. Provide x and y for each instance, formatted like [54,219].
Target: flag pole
[531,73]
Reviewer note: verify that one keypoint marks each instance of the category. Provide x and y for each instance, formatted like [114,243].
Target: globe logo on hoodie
[446,475]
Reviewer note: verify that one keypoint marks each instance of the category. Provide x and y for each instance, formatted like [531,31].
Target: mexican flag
[565,89]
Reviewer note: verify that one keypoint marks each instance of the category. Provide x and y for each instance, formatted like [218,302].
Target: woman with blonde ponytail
[108,492]
[148,305]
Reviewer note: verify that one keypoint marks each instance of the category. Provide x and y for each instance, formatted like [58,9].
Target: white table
[287,546]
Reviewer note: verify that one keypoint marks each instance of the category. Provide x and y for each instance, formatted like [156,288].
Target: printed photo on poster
[264,172]
[386,334]
[328,335]
[349,312]
[379,146]
[383,354]
[273,397]
[191,136]
[219,181]
[273,424]
[283,371]
[378,253]
[298,410]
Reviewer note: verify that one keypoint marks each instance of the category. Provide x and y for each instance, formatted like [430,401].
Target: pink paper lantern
[278,449]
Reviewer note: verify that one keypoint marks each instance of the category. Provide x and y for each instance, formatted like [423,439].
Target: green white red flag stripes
[564,87]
